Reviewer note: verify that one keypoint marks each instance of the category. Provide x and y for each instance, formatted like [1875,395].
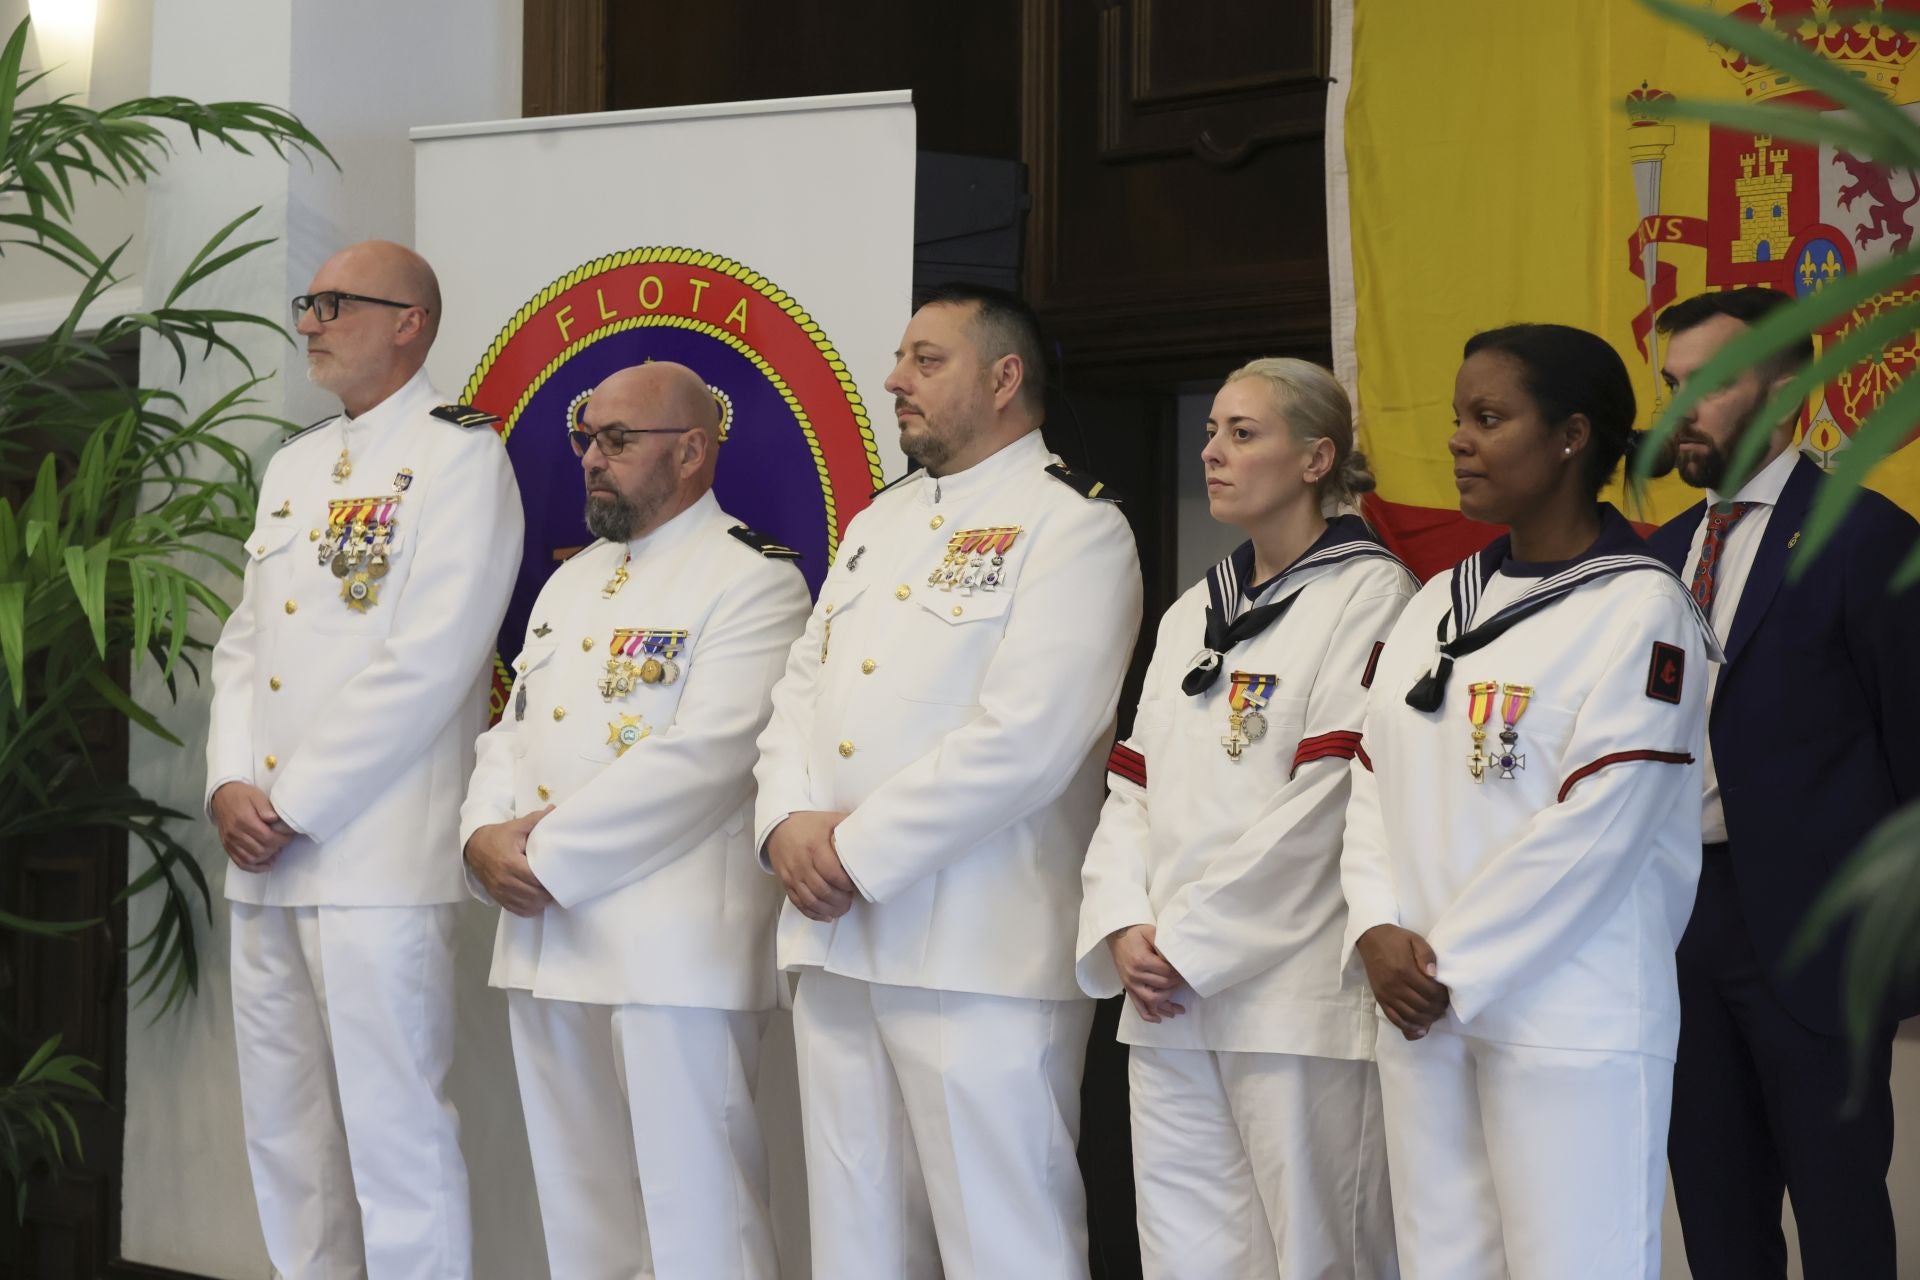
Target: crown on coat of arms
[1848,34]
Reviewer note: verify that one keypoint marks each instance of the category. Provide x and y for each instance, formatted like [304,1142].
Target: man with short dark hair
[608,817]
[928,784]
[1810,744]
[348,686]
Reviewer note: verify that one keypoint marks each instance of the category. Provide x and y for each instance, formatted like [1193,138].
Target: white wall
[359,73]
[36,291]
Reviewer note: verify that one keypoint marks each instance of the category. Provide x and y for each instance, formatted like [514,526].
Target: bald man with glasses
[348,687]
[609,817]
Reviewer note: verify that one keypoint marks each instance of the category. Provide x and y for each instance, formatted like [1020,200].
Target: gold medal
[617,581]
[360,592]
[625,732]
[651,671]
[1480,697]
[1247,693]
[343,468]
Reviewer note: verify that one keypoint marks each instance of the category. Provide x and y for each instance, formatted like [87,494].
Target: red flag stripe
[1128,763]
[1622,757]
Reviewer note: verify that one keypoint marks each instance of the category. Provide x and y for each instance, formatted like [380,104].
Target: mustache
[900,402]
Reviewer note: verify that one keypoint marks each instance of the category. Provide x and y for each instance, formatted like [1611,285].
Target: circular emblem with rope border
[797,459]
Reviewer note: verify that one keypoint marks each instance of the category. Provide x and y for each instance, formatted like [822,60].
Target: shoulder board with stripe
[465,415]
[309,429]
[899,480]
[1081,483]
[763,544]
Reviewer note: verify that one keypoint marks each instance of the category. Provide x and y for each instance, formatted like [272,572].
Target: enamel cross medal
[1512,707]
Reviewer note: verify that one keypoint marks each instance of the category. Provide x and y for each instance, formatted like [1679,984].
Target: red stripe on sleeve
[1360,754]
[1127,763]
[1621,757]
[1343,743]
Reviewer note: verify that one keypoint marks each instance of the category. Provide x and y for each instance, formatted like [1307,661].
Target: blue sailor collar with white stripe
[1618,549]
[1230,586]
[1239,609]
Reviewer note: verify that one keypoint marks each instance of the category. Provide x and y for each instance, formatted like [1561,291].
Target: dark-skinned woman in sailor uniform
[1212,892]
[1523,841]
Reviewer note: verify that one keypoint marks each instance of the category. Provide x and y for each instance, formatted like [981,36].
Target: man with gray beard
[608,817]
[347,687]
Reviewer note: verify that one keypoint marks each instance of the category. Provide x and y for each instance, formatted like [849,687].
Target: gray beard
[614,516]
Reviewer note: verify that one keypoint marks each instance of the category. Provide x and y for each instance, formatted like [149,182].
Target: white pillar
[359,73]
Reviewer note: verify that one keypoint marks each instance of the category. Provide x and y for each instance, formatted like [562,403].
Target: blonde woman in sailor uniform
[1523,842]
[1212,892]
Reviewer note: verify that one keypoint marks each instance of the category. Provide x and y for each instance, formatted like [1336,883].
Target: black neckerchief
[1345,538]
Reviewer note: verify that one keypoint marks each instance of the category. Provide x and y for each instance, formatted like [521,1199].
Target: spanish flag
[1494,163]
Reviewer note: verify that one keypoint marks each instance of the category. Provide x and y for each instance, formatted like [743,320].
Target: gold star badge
[360,592]
[624,732]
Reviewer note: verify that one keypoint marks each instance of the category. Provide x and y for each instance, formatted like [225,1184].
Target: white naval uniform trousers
[359,726]
[637,1000]
[962,726]
[1526,1132]
[1257,1139]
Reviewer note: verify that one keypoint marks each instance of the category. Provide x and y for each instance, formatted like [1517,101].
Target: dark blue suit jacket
[1815,723]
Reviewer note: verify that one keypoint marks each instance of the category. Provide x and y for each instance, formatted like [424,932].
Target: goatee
[612,515]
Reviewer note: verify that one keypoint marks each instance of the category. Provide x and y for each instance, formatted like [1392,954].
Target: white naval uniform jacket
[359,725]
[648,853]
[1552,899]
[1236,863]
[964,734]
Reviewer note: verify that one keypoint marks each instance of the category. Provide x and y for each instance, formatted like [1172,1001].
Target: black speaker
[969,220]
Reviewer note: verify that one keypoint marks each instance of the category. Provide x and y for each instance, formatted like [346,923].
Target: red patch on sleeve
[1341,744]
[1373,661]
[1666,672]
[1123,761]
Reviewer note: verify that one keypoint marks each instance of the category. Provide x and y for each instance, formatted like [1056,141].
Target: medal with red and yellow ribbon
[1247,694]
[976,559]
[1480,696]
[357,546]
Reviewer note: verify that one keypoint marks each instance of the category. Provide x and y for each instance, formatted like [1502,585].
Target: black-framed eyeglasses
[325,305]
[613,439]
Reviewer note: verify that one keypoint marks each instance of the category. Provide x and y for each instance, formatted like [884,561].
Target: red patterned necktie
[1720,522]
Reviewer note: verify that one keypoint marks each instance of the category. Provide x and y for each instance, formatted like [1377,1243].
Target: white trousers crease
[647,1155]
[1259,1164]
[344,1022]
[1530,1163]
[940,1129]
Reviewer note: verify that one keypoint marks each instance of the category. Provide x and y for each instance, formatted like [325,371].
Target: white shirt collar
[1030,450]
[397,407]
[703,508]
[1765,485]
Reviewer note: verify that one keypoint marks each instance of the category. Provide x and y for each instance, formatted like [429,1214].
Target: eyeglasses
[613,439]
[325,305]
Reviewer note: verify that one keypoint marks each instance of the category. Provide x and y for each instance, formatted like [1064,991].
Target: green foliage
[37,1128]
[1877,894]
[117,505]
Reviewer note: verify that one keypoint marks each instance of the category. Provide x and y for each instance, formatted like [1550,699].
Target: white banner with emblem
[767,245]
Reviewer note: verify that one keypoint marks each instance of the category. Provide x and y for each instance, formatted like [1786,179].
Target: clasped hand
[1402,970]
[1149,977]
[251,830]
[802,854]
[497,855]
